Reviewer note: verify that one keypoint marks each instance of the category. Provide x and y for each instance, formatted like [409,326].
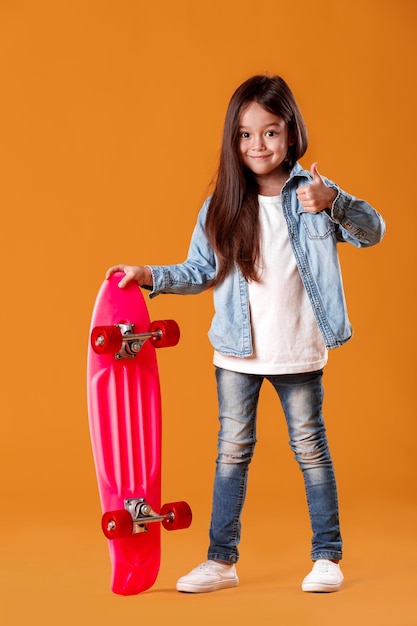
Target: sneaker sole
[320,588]
[222,584]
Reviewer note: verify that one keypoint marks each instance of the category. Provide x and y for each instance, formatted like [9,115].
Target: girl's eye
[244,135]
[270,133]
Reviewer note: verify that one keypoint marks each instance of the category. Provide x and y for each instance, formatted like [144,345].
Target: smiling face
[263,145]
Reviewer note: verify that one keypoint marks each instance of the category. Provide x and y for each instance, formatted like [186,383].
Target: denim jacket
[313,237]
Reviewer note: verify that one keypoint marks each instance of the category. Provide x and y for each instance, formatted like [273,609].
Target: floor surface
[57,572]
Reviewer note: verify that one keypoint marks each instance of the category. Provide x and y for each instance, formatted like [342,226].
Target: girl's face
[263,144]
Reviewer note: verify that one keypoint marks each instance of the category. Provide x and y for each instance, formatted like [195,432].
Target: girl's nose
[258,142]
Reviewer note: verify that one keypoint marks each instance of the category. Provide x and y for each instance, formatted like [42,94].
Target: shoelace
[324,566]
[208,565]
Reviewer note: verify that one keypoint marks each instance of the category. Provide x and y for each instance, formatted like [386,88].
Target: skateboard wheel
[106,339]
[169,333]
[178,514]
[117,524]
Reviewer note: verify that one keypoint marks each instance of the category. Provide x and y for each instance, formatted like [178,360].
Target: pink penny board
[124,406]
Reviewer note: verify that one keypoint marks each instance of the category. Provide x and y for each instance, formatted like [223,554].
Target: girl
[266,243]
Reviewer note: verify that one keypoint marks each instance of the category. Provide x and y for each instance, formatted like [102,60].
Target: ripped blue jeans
[301,397]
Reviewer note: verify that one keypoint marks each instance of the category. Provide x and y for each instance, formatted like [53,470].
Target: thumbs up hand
[316,196]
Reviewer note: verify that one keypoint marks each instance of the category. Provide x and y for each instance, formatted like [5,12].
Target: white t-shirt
[285,335]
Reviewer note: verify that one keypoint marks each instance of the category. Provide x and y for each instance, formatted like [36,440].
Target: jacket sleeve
[193,275]
[358,223]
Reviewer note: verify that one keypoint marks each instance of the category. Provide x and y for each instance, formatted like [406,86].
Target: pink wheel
[178,514]
[169,333]
[106,339]
[117,524]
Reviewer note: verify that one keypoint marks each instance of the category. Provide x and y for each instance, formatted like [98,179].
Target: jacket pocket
[317,225]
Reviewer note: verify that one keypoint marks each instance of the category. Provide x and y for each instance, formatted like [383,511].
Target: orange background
[111,116]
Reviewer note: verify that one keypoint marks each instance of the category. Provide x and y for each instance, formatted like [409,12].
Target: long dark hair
[232,224]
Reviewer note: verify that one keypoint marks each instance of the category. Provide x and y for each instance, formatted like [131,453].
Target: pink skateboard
[124,407]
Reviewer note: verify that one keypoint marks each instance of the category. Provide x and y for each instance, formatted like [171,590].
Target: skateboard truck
[138,513]
[132,343]
[143,514]
[125,344]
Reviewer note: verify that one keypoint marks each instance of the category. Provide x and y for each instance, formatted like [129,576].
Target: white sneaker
[209,576]
[325,576]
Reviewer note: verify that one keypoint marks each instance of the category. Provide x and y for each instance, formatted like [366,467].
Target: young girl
[265,241]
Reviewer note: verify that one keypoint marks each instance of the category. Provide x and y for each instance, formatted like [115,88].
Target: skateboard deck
[124,408]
